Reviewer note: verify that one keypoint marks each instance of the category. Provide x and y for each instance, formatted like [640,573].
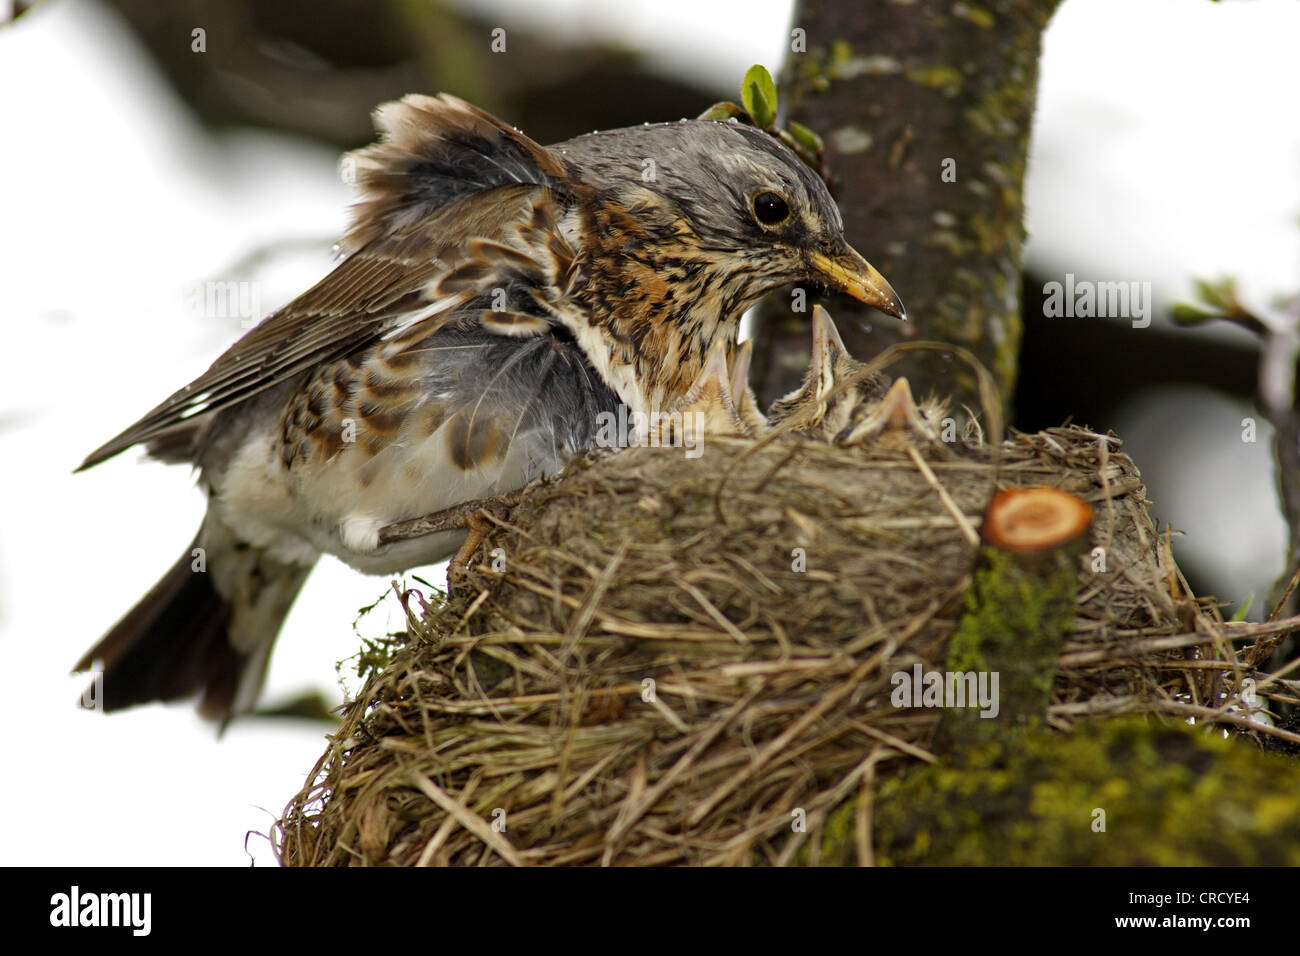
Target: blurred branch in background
[1278,329]
[926,115]
[318,69]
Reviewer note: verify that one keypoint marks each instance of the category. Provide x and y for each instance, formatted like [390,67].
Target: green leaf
[805,137]
[720,111]
[1185,314]
[758,95]
[1245,607]
[1217,292]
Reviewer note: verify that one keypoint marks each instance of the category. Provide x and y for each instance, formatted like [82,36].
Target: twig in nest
[468,819]
[1215,715]
[1286,596]
[958,516]
[413,621]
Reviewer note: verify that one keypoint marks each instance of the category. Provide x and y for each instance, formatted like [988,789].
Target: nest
[658,660]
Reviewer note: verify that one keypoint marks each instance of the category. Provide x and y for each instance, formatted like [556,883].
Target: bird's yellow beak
[849,272]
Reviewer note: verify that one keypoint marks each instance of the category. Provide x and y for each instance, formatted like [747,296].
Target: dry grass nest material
[680,654]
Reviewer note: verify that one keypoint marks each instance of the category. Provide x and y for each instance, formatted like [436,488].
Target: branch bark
[902,93]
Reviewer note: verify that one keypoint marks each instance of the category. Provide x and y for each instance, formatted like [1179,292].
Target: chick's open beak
[849,272]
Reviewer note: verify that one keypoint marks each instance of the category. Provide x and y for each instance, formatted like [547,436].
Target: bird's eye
[770,209]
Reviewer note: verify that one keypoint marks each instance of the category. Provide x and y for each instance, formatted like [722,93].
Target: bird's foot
[477,517]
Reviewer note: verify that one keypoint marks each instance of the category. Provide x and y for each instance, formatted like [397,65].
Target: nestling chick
[842,402]
[835,384]
[710,406]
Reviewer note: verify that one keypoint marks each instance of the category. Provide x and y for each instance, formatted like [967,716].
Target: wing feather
[443,175]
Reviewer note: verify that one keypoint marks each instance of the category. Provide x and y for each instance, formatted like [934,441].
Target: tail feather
[185,638]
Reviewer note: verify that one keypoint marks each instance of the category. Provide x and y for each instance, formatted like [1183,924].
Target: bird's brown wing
[443,175]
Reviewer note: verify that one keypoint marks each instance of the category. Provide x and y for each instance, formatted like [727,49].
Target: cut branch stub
[1030,520]
[1019,608]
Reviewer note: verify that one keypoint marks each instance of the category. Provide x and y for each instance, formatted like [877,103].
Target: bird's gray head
[742,195]
[738,211]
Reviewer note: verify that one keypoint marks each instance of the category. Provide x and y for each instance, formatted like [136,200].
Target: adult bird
[496,299]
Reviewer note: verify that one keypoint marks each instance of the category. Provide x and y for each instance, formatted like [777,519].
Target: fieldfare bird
[496,299]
